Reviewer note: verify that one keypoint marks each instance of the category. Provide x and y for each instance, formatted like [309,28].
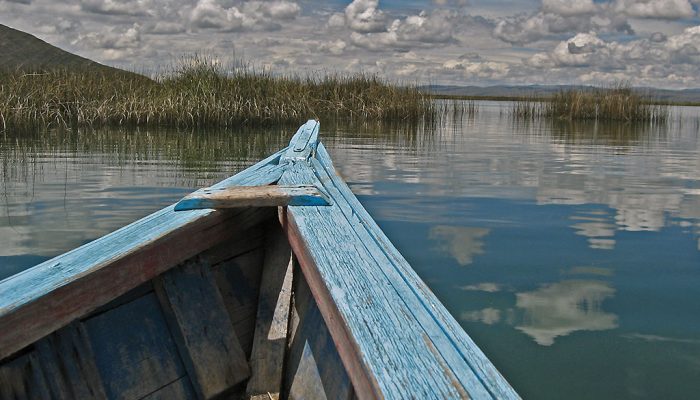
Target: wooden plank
[242,242]
[134,350]
[238,280]
[303,143]
[48,296]
[22,379]
[68,364]
[313,367]
[269,343]
[181,389]
[202,328]
[394,347]
[253,196]
[446,335]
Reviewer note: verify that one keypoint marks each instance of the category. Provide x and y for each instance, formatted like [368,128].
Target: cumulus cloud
[116,7]
[489,70]
[674,58]
[664,9]
[684,48]
[335,47]
[524,28]
[365,16]
[113,38]
[251,15]
[371,30]
[164,28]
[556,17]
[569,8]
[587,49]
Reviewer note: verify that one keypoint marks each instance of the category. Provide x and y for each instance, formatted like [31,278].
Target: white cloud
[335,47]
[523,29]
[422,30]
[664,9]
[365,16]
[114,38]
[250,15]
[118,7]
[479,69]
[569,8]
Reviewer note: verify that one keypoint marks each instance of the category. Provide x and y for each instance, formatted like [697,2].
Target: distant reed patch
[201,94]
[616,103]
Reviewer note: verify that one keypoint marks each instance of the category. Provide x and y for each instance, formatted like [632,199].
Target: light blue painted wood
[31,285]
[253,196]
[451,341]
[407,341]
[303,143]
[404,341]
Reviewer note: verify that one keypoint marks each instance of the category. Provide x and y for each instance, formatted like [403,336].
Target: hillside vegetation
[25,52]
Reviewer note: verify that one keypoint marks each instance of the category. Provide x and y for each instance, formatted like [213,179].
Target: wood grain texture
[48,296]
[392,340]
[303,143]
[202,329]
[68,363]
[453,340]
[269,342]
[22,379]
[180,389]
[253,196]
[134,350]
[313,369]
[238,280]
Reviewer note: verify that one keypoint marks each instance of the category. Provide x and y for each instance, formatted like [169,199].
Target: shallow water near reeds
[570,252]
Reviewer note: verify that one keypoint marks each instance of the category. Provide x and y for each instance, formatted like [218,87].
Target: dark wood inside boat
[214,326]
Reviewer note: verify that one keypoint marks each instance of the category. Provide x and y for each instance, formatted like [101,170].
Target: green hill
[22,51]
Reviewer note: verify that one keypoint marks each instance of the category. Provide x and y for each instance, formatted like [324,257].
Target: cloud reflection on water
[463,243]
[564,307]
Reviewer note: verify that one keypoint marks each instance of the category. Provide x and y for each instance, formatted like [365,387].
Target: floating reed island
[616,103]
[200,94]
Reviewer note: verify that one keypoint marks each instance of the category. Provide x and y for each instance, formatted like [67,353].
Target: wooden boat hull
[303,298]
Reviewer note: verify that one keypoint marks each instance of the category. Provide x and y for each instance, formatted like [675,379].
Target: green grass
[617,103]
[200,94]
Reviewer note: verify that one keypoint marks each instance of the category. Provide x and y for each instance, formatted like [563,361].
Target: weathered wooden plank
[22,379]
[68,364]
[448,338]
[134,351]
[238,280]
[313,369]
[46,297]
[303,143]
[242,242]
[181,389]
[202,328]
[253,196]
[394,337]
[269,342]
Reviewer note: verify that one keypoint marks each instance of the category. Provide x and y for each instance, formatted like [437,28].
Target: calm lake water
[569,252]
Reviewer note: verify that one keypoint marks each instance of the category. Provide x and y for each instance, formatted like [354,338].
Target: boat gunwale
[29,293]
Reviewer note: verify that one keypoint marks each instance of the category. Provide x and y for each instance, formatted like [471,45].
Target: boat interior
[195,331]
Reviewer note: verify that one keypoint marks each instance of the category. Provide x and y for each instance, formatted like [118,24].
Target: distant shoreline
[651,101]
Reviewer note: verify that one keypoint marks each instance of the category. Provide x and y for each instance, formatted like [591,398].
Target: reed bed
[200,94]
[617,103]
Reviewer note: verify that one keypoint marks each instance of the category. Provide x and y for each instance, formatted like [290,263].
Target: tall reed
[616,103]
[199,93]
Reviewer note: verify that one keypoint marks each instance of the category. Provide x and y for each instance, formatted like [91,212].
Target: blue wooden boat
[274,283]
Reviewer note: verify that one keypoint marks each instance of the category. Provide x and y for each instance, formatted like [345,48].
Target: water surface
[569,252]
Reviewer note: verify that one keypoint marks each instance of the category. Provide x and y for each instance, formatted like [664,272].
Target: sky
[451,42]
